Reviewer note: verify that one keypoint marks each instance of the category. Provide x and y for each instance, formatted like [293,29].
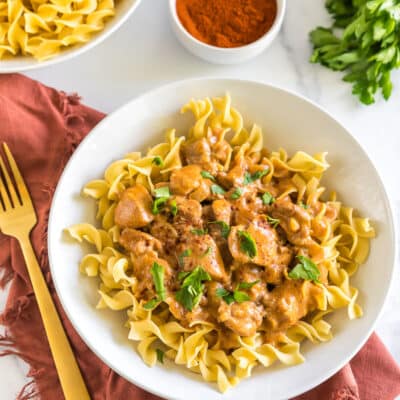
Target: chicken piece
[189,214]
[185,180]
[248,206]
[267,246]
[285,210]
[242,318]
[202,192]
[165,232]
[203,252]
[235,176]
[134,208]
[222,210]
[291,301]
[250,273]
[142,266]
[199,152]
[139,243]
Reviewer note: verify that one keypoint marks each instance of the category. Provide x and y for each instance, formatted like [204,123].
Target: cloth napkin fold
[43,127]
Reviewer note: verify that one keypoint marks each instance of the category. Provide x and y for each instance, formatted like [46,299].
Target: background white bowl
[219,55]
[123,10]
[289,121]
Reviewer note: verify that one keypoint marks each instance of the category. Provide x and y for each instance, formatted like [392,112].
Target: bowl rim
[69,53]
[394,233]
[270,34]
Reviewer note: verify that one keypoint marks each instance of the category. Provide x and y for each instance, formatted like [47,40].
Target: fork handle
[72,383]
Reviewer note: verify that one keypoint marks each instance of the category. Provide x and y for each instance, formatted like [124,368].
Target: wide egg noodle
[340,246]
[43,28]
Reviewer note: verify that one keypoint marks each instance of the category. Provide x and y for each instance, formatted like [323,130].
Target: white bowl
[309,128]
[219,55]
[123,10]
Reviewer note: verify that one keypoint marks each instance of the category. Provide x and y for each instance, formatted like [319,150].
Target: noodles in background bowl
[43,28]
[223,253]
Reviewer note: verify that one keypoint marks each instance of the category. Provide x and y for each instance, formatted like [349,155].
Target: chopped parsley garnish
[250,178]
[157,160]
[162,195]
[305,269]
[225,228]
[162,192]
[236,193]
[230,297]
[160,356]
[274,222]
[247,244]
[208,251]
[207,175]
[303,205]
[192,288]
[216,189]
[174,207]
[185,253]
[247,285]
[157,271]
[151,303]
[199,232]
[267,198]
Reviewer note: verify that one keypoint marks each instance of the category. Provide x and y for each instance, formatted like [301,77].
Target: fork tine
[23,191]
[3,192]
[10,186]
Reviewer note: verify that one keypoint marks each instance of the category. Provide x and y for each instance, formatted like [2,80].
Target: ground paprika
[227,23]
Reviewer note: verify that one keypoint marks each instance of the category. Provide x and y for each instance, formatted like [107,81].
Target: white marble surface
[143,54]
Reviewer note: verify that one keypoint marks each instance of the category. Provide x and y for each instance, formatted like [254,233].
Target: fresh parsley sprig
[207,175]
[192,287]
[157,272]
[225,228]
[305,269]
[267,198]
[367,48]
[250,178]
[247,244]
[237,295]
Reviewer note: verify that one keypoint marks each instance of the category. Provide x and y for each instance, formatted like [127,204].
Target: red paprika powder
[227,23]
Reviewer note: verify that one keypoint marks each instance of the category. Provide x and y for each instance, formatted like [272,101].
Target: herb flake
[267,198]
[306,269]
[216,189]
[160,356]
[157,160]
[274,222]
[157,272]
[225,228]
[247,244]
[207,175]
[250,178]
[236,193]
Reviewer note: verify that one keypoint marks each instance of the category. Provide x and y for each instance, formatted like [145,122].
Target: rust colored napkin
[42,127]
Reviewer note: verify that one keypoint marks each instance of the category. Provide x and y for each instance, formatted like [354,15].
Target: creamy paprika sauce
[225,245]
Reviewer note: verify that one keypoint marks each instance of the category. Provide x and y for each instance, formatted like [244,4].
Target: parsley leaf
[303,205]
[216,189]
[151,303]
[160,356]
[162,192]
[267,198]
[236,193]
[247,285]
[199,232]
[230,297]
[162,195]
[225,228]
[185,253]
[366,47]
[192,288]
[208,251]
[247,244]
[250,178]
[306,269]
[174,207]
[207,175]
[157,271]
[274,222]
[226,295]
[157,160]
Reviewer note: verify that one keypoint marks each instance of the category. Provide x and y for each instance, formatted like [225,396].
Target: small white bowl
[123,10]
[221,55]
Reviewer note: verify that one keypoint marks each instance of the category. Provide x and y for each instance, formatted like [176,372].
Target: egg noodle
[342,244]
[42,28]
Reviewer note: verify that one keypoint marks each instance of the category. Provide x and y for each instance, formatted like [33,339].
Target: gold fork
[17,218]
